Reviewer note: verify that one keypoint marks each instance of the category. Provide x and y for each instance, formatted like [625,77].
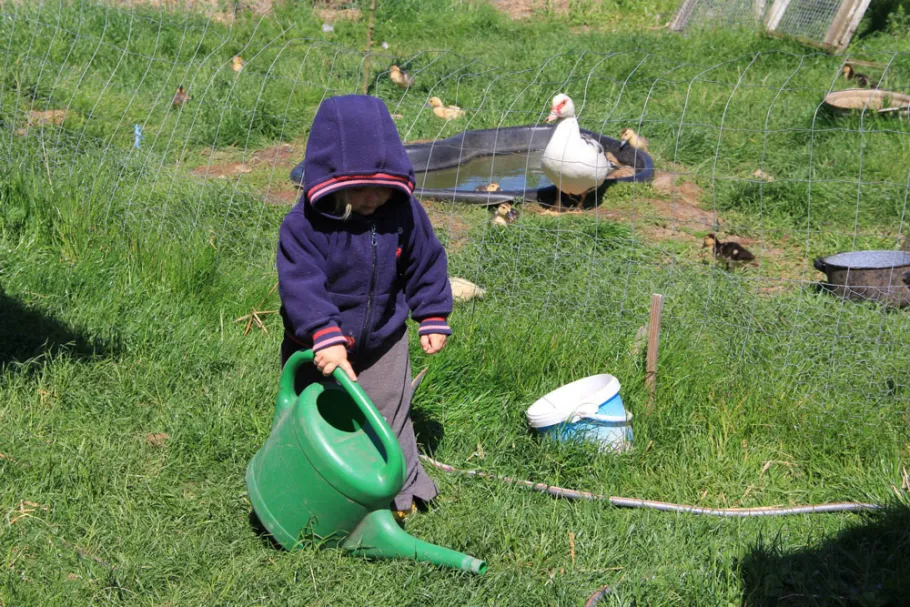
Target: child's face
[365,201]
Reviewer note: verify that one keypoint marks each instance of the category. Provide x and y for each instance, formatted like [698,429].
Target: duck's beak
[553,116]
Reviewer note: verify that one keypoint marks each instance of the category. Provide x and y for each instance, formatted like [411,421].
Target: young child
[355,256]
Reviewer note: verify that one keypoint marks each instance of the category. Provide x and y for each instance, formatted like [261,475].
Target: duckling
[446,112]
[488,187]
[237,63]
[861,79]
[504,214]
[180,97]
[463,290]
[731,252]
[630,137]
[400,77]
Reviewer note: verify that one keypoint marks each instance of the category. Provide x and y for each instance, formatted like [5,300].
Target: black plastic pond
[452,168]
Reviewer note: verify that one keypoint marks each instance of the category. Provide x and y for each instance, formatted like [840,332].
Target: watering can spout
[379,536]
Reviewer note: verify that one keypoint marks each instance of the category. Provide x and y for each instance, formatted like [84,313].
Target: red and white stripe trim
[328,337]
[377,179]
[434,325]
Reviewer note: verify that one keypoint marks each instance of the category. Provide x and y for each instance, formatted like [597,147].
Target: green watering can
[330,468]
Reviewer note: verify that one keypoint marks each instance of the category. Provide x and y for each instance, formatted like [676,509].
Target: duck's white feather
[574,162]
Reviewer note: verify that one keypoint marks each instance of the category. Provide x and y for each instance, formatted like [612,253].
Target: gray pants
[387,381]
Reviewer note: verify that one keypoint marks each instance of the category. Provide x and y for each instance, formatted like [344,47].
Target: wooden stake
[366,60]
[657,304]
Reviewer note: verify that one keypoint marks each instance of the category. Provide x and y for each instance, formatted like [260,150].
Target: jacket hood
[354,143]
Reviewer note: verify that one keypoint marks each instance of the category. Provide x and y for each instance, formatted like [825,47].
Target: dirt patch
[684,212]
[157,439]
[454,227]
[684,205]
[288,196]
[522,9]
[331,11]
[284,155]
[218,10]
[222,171]
[45,118]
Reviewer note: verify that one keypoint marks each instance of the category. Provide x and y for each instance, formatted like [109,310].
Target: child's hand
[433,342]
[328,359]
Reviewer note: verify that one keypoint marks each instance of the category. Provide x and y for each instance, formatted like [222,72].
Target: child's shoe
[402,515]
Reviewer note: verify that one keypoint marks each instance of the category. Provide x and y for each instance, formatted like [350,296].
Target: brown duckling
[180,97]
[400,77]
[504,214]
[862,80]
[488,187]
[630,137]
[732,253]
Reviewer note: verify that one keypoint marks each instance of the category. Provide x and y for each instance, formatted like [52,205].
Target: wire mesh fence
[809,18]
[98,149]
[720,13]
[825,23]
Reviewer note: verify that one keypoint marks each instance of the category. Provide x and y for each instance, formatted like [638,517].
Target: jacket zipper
[369,312]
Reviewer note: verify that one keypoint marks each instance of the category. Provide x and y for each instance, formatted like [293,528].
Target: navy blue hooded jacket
[354,281]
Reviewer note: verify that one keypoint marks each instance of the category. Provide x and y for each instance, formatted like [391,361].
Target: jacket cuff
[435,324]
[329,335]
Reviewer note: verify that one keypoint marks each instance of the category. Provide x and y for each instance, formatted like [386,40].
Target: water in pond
[510,171]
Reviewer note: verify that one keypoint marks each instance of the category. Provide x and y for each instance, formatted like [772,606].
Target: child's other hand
[433,343]
[328,359]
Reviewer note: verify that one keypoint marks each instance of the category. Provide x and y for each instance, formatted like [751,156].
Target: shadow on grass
[268,540]
[866,565]
[429,431]
[26,333]
[880,13]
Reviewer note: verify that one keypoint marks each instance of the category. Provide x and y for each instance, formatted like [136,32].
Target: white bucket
[588,409]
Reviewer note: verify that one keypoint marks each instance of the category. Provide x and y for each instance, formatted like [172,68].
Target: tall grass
[123,277]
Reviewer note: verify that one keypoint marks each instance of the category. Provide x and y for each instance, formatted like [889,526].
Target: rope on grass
[628,502]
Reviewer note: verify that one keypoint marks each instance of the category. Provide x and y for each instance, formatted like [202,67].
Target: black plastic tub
[868,276]
[490,151]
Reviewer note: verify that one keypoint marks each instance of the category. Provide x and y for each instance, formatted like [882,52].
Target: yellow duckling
[400,77]
[464,290]
[504,214]
[446,112]
[488,187]
[630,137]
[237,63]
[180,97]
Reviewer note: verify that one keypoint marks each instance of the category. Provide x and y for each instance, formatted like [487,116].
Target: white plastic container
[587,409]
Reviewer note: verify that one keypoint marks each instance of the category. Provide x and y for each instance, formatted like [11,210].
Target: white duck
[574,162]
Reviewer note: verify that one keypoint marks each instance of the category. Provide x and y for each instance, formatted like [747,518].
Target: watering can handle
[287,396]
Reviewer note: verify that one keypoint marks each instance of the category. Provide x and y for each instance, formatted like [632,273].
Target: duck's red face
[559,106]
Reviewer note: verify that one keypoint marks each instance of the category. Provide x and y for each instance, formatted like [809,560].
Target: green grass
[121,277]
